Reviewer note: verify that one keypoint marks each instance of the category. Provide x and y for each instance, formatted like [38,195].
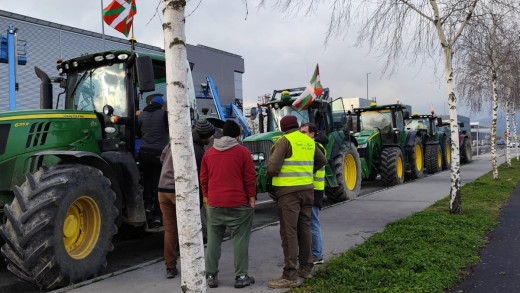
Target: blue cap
[158,100]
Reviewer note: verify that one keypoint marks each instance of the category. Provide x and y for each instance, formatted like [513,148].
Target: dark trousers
[295,231]
[171,236]
[151,166]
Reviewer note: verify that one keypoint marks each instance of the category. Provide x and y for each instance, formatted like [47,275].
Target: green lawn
[427,252]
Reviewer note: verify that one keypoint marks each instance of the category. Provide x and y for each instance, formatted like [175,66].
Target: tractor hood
[364,136]
[272,136]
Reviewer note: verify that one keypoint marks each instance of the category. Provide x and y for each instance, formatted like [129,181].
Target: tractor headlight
[363,145]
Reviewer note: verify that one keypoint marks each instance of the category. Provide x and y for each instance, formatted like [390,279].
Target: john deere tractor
[343,172]
[466,155]
[70,177]
[385,146]
[435,143]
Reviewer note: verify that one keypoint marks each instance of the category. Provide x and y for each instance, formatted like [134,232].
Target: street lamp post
[367,83]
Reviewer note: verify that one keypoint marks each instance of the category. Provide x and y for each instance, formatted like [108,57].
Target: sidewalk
[344,226]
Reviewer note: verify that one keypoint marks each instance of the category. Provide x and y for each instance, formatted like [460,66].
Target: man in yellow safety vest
[292,163]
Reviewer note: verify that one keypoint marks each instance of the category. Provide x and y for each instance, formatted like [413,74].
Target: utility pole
[367,83]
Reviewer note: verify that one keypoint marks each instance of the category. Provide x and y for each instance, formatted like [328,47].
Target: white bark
[494,127]
[186,181]
[513,109]
[508,136]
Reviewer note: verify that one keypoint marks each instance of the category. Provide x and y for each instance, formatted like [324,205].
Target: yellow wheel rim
[418,157]
[350,172]
[399,167]
[439,159]
[448,154]
[81,227]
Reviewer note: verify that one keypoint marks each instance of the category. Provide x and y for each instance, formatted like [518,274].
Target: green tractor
[343,172]
[435,143]
[70,177]
[385,146]
[466,154]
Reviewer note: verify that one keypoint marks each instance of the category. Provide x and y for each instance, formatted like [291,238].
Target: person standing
[153,130]
[291,165]
[228,182]
[202,135]
[311,130]
[166,195]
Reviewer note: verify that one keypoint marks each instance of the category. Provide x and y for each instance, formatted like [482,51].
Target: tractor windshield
[92,89]
[417,124]
[278,114]
[377,119]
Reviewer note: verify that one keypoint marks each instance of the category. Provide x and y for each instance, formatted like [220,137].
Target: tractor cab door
[399,126]
[339,116]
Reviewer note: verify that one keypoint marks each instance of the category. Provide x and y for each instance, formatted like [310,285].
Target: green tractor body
[466,153]
[435,143]
[343,172]
[70,177]
[385,146]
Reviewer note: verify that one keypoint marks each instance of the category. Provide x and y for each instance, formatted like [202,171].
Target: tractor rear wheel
[465,152]
[446,152]
[347,168]
[60,226]
[433,158]
[392,166]
[416,158]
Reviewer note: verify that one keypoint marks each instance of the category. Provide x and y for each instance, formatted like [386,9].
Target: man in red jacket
[228,182]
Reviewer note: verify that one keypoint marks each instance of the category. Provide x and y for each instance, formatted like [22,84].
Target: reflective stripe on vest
[297,170]
[319,176]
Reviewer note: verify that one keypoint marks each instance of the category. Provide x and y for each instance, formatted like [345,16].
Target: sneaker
[212,280]
[171,273]
[156,222]
[304,274]
[283,283]
[317,260]
[242,281]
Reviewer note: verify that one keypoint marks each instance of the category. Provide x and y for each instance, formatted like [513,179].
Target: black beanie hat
[204,128]
[231,129]
[288,122]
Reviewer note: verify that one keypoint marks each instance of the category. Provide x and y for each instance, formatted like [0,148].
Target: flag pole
[102,26]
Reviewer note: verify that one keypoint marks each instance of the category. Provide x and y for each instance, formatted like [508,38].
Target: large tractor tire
[446,152]
[60,226]
[433,158]
[466,156]
[392,166]
[416,158]
[347,167]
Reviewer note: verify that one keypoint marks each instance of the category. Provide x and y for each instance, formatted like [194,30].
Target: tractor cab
[424,123]
[387,119]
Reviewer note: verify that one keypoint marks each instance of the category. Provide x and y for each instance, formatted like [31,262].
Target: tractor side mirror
[461,124]
[145,75]
[253,113]
[439,121]
[406,114]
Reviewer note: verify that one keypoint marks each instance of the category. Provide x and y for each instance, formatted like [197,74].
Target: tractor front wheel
[392,166]
[347,168]
[465,152]
[433,158]
[446,152]
[416,159]
[60,226]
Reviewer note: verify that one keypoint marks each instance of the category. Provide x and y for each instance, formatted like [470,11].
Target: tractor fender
[353,140]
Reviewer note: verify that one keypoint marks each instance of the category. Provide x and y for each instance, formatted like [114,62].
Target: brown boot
[283,283]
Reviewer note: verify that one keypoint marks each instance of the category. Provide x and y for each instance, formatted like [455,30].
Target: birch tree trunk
[508,137]
[193,278]
[513,109]
[494,126]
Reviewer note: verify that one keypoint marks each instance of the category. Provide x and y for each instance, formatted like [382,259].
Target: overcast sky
[280,51]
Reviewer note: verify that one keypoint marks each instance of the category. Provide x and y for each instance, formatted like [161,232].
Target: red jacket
[227,174]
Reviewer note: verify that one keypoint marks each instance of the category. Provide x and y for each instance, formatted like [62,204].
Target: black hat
[204,128]
[231,129]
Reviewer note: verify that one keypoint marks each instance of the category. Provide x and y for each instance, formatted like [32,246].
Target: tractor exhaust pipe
[45,89]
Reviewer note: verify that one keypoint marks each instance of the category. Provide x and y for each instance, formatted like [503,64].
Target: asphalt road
[148,246]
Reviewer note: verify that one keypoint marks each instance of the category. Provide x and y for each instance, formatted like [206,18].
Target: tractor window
[92,89]
[399,121]
[377,119]
[278,114]
[339,117]
[417,124]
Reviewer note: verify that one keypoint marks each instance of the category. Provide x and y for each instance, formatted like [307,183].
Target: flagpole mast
[102,26]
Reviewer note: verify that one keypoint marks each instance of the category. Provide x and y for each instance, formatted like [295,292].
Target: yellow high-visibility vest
[297,170]
[319,176]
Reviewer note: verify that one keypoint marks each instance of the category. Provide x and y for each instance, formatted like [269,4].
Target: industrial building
[46,42]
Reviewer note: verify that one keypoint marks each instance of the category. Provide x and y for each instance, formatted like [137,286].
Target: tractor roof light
[110,56]
[373,104]
[99,58]
[66,65]
[75,63]
[122,56]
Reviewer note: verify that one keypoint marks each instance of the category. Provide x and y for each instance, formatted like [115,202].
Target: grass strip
[428,251]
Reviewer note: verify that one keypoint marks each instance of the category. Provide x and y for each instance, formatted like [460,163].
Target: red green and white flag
[313,90]
[120,14]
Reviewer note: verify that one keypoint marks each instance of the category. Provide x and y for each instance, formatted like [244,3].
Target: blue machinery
[9,52]
[231,111]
